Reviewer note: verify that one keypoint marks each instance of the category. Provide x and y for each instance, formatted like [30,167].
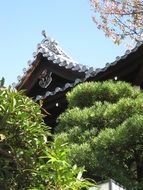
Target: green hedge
[99,125]
[86,94]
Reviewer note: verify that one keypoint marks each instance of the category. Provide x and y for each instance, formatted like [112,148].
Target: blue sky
[68,22]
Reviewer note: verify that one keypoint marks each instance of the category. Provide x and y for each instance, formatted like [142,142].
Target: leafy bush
[86,94]
[23,135]
[121,150]
[58,173]
[28,161]
[99,127]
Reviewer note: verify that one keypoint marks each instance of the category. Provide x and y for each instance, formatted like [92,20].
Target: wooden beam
[32,76]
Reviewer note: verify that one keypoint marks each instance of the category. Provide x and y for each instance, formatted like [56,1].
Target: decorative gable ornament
[45,79]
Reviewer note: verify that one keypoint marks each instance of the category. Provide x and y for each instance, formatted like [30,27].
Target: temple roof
[128,67]
[52,73]
[51,50]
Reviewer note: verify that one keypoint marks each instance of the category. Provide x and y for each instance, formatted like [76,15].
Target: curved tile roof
[50,49]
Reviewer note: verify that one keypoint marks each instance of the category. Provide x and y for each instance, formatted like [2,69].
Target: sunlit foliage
[103,127]
[28,161]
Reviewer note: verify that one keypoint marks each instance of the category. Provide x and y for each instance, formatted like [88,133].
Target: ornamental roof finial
[44,33]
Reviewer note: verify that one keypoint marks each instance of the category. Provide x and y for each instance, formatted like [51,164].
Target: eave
[49,55]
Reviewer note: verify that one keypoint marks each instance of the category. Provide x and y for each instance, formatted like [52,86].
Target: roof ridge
[53,52]
[50,49]
[53,46]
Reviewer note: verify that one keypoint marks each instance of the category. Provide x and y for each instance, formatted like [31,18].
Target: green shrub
[99,126]
[86,94]
[62,174]
[28,161]
[23,135]
[121,150]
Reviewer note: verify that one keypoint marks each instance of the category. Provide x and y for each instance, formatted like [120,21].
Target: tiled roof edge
[59,89]
[118,58]
[50,49]
[89,73]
